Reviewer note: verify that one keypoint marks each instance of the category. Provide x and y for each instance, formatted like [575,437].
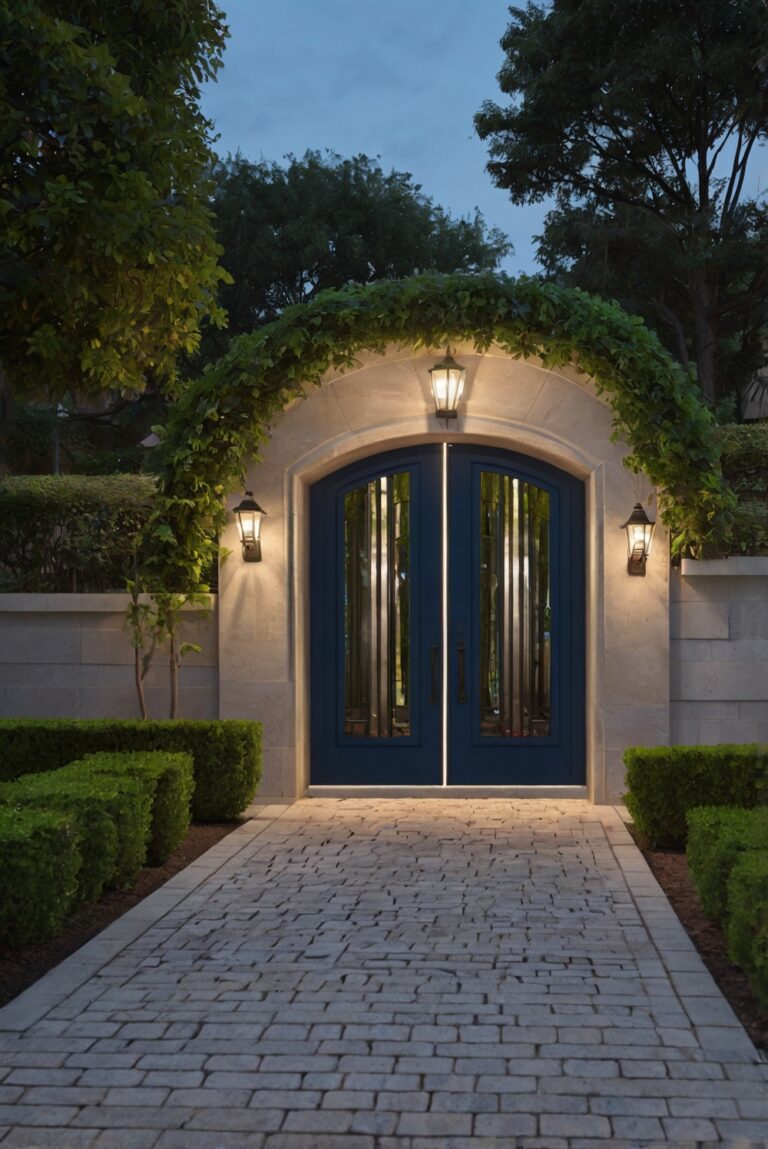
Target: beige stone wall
[383,404]
[719,651]
[67,655]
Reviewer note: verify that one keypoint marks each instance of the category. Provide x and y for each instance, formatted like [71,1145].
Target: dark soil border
[670,869]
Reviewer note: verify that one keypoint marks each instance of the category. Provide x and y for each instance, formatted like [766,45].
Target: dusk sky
[397,79]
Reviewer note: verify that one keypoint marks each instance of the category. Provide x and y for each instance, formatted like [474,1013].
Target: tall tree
[108,259]
[642,118]
[322,221]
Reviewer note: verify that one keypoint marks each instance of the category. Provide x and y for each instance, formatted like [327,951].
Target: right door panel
[516,621]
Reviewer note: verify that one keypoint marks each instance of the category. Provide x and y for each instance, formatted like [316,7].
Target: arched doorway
[447,604]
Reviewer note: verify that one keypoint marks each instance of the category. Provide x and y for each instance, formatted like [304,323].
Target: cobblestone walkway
[399,974]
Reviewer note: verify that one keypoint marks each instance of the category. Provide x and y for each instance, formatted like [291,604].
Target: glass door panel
[377,614]
[515,693]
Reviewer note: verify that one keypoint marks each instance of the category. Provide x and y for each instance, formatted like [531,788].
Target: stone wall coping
[109,603]
[738,566]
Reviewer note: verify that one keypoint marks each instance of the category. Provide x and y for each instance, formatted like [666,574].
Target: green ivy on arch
[219,422]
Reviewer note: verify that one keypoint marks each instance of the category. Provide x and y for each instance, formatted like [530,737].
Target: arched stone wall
[385,403]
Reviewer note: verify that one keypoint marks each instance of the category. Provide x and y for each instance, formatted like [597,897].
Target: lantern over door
[447,380]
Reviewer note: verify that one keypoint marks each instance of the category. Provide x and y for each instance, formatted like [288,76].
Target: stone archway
[384,403]
[357,358]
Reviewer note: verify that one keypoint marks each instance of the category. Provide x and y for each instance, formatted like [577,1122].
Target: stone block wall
[68,656]
[719,651]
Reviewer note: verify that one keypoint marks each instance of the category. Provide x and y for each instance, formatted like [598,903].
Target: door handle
[462,693]
[433,662]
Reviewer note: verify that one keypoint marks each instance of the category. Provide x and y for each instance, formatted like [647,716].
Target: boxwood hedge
[226,753]
[39,861]
[746,927]
[169,782]
[717,838]
[665,782]
[111,815]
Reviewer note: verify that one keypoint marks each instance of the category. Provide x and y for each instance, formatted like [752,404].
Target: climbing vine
[220,421]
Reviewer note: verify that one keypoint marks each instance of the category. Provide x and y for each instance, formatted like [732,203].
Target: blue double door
[447,621]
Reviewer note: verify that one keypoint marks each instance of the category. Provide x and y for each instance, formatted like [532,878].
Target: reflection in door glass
[377,597]
[515,615]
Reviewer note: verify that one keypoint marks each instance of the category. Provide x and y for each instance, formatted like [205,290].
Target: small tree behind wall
[155,619]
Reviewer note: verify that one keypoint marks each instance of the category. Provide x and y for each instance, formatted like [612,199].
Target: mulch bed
[21,966]
[670,869]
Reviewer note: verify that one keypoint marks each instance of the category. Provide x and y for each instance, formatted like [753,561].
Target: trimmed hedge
[119,810]
[96,803]
[95,829]
[169,782]
[717,838]
[665,782]
[39,861]
[226,752]
[71,532]
[747,924]
[744,462]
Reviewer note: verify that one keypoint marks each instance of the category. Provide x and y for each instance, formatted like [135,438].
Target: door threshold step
[447,792]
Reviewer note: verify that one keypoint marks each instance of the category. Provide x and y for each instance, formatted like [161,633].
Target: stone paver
[389,974]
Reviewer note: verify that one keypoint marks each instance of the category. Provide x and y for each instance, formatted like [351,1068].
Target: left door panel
[375,611]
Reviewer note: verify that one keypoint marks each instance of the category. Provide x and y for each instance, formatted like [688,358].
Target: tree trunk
[703,300]
[139,681]
[174,679]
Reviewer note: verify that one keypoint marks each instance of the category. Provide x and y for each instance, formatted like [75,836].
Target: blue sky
[398,79]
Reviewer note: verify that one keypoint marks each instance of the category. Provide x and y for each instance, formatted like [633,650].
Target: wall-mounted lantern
[447,380]
[639,530]
[248,515]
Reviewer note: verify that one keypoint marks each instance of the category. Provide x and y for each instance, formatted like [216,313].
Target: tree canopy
[643,119]
[108,260]
[321,221]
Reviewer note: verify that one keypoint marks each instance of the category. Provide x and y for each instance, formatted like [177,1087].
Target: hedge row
[67,835]
[744,462]
[71,533]
[728,856]
[40,863]
[665,782]
[170,782]
[226,753]
[717,837]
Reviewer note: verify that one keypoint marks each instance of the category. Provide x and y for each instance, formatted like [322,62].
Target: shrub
[717,837]
[94,828]
[665,782]
[747,923]
[226,753]
[39,861]
[95,803]
[744,462]
[169,782]
[71,532]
